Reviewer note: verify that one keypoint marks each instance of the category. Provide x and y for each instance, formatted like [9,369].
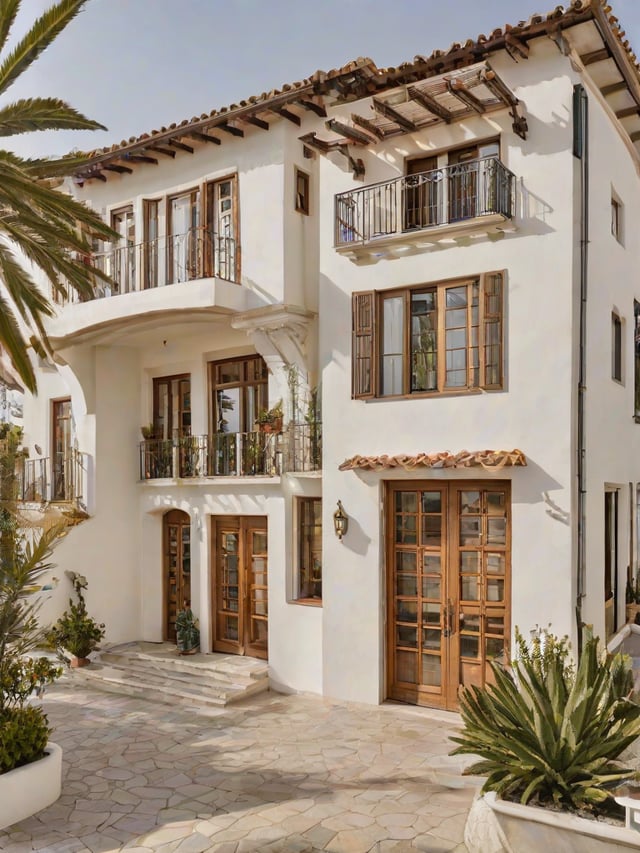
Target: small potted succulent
[187,631]
[76,634]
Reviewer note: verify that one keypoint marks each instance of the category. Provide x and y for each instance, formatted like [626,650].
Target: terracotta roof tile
[494,459]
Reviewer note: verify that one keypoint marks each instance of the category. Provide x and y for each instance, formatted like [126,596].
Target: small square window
[616,218]
[309,548]
[616,348]
[302,192]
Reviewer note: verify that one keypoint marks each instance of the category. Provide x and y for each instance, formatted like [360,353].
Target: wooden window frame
[300,546]
[617,348]
[302,199]
[243,384]
[617,218]
[367,319]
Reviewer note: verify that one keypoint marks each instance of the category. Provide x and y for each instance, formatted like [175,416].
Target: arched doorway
[176,533]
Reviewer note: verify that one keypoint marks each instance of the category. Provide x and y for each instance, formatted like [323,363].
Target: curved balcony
[144,278]
[477,195]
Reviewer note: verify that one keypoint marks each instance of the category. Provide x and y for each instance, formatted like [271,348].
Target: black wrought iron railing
[198,253]
[438,197]
[61,478]
[240,454]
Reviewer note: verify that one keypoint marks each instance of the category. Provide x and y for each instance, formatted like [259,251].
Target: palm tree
[42,231]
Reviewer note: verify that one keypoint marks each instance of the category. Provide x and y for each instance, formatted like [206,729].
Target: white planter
[31,788]
[499,826]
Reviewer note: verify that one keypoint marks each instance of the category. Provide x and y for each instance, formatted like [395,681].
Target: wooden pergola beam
[204,137]
[230,128]
[612,88]
[369,126]
[430,104]
[389,112]
[595,56]
[257,122]
[499,88]
[634,137]
[181,146]
[351,133]
[628,111]
[457,88]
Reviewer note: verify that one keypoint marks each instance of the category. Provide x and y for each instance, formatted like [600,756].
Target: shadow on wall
[356,540]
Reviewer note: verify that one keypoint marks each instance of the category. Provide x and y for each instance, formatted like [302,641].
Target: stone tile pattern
[276,773]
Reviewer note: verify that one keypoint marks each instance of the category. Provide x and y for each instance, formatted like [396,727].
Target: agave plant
[548,732]
[39,224]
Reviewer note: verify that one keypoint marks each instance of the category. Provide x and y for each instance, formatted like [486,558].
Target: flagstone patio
[276,773]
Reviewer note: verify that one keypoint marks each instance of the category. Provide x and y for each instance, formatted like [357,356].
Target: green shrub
[24,733]
[549,733]
[76,631]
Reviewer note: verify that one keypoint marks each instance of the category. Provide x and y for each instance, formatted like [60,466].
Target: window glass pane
[406,561]
[469,590]
[406,636]
[431,529]
[470,563]
[392,344]
[406,502]
[431,563]
[495,589]
[407,585]
[469,646]
[407,667]
[431,502]
[431,613]
[309,548]
[496,531]
[431,670]
[456,297]
[424,324]
[407,612]
[431,588]
[495,564]
[431,639]
[470,530]
[470,503]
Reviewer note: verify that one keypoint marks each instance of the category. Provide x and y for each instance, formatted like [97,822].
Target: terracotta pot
[76,662]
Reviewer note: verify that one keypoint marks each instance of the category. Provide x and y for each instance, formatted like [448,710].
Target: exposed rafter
[285,113]
[430,104]
[204,137]
[634,137]
[515,47]
[316,108]
[140,158]
[230,128]
[118,167]
[181,146]
[159,150]
[257,122]
[555,34]
[595,56]
[352,133]
[388,112]
[628,111]
[312,141]
[457,88]
[613,88]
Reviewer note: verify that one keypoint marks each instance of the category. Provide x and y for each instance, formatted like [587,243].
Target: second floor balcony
[240,454]
[474,195]
[58,479]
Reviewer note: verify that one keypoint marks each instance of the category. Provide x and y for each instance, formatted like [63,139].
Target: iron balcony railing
[62,478]
[240,454]
[439,197]
[198,253]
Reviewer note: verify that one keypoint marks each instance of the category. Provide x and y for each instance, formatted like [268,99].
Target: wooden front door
[448,584]
[177,568]
[240,585]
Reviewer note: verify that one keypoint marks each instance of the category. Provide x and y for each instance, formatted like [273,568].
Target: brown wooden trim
[302,201]
[392,114]
[430,104]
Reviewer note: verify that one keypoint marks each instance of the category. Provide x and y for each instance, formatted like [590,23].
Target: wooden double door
[448,587]
[240,606]
[177,568]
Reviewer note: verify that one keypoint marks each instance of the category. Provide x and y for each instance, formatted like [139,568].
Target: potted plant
[76,634]
[633,599]
[148,432]
[548,733]
[187,631]
[270,420]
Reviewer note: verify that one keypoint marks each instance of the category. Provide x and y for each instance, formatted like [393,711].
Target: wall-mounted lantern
[340,521]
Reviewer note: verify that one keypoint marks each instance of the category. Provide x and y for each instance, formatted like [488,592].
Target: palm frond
[16,346]
[31,114]
[8,11]
[42,33]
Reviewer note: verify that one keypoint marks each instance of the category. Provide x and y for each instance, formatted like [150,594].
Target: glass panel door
[240,589]
[448,587]
[184,221]
[62,475]
[177,568]
[124,251]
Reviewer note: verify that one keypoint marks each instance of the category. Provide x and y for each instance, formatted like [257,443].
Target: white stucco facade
[292,306]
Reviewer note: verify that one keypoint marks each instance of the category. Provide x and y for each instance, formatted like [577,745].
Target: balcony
[473,196]
[241,454]
[61,479]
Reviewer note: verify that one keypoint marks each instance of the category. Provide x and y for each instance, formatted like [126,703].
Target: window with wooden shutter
[445,337]
[363,345]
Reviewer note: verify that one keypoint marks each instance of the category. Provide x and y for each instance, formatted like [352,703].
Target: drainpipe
[581,152]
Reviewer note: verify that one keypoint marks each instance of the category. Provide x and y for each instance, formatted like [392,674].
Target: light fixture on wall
[340,521]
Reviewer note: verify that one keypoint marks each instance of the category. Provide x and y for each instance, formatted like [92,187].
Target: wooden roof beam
[117,167]
[393,115]
[595,56]
[430,104]
[457,88]
[318,109]
[369,126]
[285,113]
[634,137]
[515,47]
[256,122]
[204,137]
[352,133]
[498,88]
[140,158]
[230,128]
[628,111]
[311,140]
[166,151]
[181,146]
[612,88]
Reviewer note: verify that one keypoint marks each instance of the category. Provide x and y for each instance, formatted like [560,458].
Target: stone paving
[277,773]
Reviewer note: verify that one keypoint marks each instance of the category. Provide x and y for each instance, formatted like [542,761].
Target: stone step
[163,688]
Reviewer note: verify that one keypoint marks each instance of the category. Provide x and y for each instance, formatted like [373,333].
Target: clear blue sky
[138,64]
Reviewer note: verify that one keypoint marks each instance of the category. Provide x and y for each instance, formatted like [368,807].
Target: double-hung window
[429,339]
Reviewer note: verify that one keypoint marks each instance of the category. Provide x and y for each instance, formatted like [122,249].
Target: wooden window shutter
[492,330]
[363,345]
